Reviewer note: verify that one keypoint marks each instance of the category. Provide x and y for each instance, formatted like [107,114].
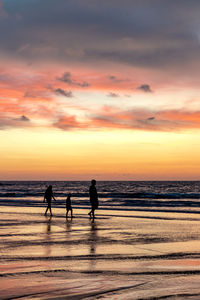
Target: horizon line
[102,180]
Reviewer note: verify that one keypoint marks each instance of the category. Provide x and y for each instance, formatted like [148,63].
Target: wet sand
[121,255]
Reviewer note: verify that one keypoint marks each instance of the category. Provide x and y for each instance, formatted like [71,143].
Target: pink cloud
[169,120]
[144,119]
[68,122]
[38,94]
[10,122]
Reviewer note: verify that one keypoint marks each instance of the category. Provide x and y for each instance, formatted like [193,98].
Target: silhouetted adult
[48,195]
[93,198]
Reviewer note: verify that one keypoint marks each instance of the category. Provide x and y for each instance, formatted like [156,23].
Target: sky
[104,89]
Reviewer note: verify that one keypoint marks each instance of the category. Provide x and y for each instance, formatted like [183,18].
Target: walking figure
[48,195]
[93,198]
[68,205]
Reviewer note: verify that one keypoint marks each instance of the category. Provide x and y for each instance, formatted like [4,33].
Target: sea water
[113,194]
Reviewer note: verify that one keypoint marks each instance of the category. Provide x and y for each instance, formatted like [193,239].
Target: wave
[139,195]
[168,256]
[104,272]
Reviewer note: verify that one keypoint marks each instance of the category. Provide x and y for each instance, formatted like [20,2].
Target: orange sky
[99,96]
[110,154]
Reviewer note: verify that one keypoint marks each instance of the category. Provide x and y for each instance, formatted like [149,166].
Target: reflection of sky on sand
[69,228]
[47,237]
[93,243]
[121,251]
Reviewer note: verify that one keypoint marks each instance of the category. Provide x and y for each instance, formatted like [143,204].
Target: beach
[123,254]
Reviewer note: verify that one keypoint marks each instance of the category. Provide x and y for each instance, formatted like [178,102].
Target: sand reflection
[48,236]
[68,234]
[68,226]
[93,241]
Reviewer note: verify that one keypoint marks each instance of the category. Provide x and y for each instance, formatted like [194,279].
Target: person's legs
[90,213]
[49,207]
[50,210]
[93,212]
[46,211]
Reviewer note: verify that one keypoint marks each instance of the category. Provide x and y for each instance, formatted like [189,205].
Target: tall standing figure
[48,195]
[93,198]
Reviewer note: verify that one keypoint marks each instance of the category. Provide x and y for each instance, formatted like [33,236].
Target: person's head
[50,187]
[69,195]
[93,182]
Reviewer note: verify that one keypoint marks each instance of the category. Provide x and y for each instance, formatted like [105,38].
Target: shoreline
[121,255]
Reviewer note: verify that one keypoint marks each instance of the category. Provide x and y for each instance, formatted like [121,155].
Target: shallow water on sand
[121,255]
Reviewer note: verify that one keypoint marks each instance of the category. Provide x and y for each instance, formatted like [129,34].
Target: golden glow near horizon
[114,155]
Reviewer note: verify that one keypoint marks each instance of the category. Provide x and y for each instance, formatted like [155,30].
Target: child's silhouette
[68,205]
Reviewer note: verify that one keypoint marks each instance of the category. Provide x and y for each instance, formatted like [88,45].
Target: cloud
[117,80]
[144,119]
[23,119]
[135,119]
[34,95]
[66,77]
[37,93]
[14,115]
[5,78]
[113,95]
[62,92]
[67,123]
[30,94]
[147,34]
[145,88]
[10,122]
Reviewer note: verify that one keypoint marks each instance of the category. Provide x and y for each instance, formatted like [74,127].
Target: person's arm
[53,197]
[44,199]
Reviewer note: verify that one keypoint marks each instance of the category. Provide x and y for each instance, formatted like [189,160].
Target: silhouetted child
[68,205]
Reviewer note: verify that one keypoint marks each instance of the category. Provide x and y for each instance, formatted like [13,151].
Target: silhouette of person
[93,198]
[48,195]
[68,205]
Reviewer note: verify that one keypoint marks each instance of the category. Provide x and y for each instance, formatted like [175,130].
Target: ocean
[183,195]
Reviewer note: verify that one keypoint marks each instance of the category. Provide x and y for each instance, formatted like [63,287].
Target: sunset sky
[105,89]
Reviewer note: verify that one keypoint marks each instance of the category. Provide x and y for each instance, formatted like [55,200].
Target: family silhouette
[93,195]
